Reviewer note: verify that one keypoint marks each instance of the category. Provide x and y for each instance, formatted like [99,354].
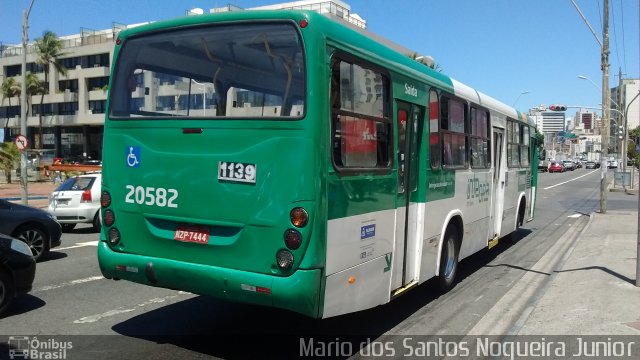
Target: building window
[97,83]
[13,70]
[361,124]
[71,85]
[70,63]
[67,108]
[98,106]
[98,60]
[47,109]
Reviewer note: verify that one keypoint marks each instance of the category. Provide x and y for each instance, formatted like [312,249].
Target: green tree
[10,88]
[48,50]
[634,140]
[9,158]
[540,144]
[35,87]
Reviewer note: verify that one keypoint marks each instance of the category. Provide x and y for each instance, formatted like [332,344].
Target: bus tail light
[299,217]
[114,236]
[86,196]
[109,217]
[293,239]
[284,258]
[105,199]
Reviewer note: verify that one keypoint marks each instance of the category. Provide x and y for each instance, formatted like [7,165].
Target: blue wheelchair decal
[133,156]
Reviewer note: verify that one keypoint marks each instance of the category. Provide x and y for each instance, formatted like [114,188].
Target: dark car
[36,227]
[17,270]
[590,165]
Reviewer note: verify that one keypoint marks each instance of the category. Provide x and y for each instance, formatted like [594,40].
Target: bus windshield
[224,71]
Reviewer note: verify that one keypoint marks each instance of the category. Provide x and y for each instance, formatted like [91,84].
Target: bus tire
[514,236]
[449,260]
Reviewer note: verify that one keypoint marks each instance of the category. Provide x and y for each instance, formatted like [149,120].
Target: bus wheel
[449,260]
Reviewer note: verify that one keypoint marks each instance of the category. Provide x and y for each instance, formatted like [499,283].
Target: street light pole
[23,105]
[518,98]
[605,103]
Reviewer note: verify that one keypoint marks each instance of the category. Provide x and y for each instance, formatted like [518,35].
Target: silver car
[77,200]
[569,165]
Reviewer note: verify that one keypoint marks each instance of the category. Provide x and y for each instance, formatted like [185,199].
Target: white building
[623,95]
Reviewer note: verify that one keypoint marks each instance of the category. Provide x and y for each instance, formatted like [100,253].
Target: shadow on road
[23,304]
[229,330]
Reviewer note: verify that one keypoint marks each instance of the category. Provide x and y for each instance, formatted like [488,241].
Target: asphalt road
[70,297]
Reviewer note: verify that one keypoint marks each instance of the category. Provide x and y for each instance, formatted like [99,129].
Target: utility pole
[23,105]
[604,57]
[605,106]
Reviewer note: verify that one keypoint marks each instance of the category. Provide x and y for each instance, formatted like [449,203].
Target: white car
[77,200]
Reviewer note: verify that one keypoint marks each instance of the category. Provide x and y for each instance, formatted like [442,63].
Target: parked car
[17,270]
[612,164]
[590,165]
[556,167]
[36,227]
[543,165]
[569,165]
[77,200]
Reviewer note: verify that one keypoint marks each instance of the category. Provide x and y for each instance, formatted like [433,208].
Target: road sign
[21,142]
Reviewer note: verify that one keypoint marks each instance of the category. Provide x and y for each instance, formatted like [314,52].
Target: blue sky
[500,47]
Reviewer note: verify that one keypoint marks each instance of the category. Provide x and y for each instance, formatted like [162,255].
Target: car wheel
[7,291]
[97,224]
[68,227]
[35,238]
[448,260]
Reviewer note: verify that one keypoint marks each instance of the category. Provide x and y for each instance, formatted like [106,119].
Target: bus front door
[405,252]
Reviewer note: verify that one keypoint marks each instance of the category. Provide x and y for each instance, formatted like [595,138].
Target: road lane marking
[77,245]
[120,310]
[70,283]
[568,181]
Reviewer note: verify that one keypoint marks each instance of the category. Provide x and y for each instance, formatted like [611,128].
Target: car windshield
[76,183]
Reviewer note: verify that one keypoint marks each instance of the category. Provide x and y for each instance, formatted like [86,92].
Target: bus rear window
[220,71]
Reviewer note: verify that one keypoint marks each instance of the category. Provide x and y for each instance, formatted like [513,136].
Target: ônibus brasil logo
[25,347]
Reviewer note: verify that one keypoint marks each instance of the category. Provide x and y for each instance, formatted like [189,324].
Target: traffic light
[558,108]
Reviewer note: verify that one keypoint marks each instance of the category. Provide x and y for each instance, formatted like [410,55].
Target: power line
[615,33]
[624,48]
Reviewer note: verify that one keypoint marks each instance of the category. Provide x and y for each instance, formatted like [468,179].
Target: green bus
[282,158]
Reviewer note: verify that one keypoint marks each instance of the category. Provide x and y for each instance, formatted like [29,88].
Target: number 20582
[151,196]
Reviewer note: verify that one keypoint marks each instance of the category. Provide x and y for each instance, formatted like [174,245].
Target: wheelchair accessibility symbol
[133,156]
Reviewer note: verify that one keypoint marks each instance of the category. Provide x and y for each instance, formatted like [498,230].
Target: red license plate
[194,234]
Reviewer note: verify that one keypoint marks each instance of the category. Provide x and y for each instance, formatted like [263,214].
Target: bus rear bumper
[299,292]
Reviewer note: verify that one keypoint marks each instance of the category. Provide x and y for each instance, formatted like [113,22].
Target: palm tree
[48,50]
[10,88]
[35,87]
[9,158]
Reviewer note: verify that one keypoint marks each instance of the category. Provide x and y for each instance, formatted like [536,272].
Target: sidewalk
[594,292]
[38,192]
